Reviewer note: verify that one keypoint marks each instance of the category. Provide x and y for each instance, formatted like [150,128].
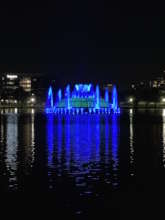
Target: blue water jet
[97,96]
[115,100]
[67,93]
[106,95]
[83,99]
[59,95]
[49,102]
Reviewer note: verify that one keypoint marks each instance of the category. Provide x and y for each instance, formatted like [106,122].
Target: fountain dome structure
[84,98]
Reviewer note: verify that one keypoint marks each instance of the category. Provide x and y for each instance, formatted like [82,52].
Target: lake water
[83,160]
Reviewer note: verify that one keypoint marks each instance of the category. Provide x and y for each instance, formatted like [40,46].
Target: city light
[32,111]
[163,112]
[16,110]
[163,99]
[32,100]
[12,76]
[131,100]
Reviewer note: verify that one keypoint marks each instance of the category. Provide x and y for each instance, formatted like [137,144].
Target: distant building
[157,83]
[26,84]
[20,87]
[9,81]
[139,85]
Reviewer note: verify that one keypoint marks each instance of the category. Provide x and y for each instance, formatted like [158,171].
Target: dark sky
[79,41]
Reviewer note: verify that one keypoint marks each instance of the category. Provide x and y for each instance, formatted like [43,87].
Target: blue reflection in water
[59,138]
[81,141]
[107,139]
[82,146]
[97,137]
[76,141]
[67,141]
[50,139]
[89,134]
[115,159]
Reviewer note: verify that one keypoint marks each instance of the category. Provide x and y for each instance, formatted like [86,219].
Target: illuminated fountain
[49,101]
[84,99]
[106,95]
[67,93]
[115,100]
[59,95]
[97,96]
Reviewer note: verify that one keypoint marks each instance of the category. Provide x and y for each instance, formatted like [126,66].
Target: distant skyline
[77,42]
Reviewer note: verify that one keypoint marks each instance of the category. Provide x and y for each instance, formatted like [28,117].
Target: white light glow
[12,76]
[32,99]
[163,113]
[16,110]
[163,136]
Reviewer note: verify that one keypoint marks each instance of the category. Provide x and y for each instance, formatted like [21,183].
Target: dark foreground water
[84,160]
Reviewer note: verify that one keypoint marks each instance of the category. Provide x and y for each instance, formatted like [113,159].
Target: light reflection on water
[11,148]
[17,142]
[83,146]
[163,135]
[131,142]
[115,146]
[88,151]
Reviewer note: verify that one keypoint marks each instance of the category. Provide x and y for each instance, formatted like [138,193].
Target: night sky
[78,41]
